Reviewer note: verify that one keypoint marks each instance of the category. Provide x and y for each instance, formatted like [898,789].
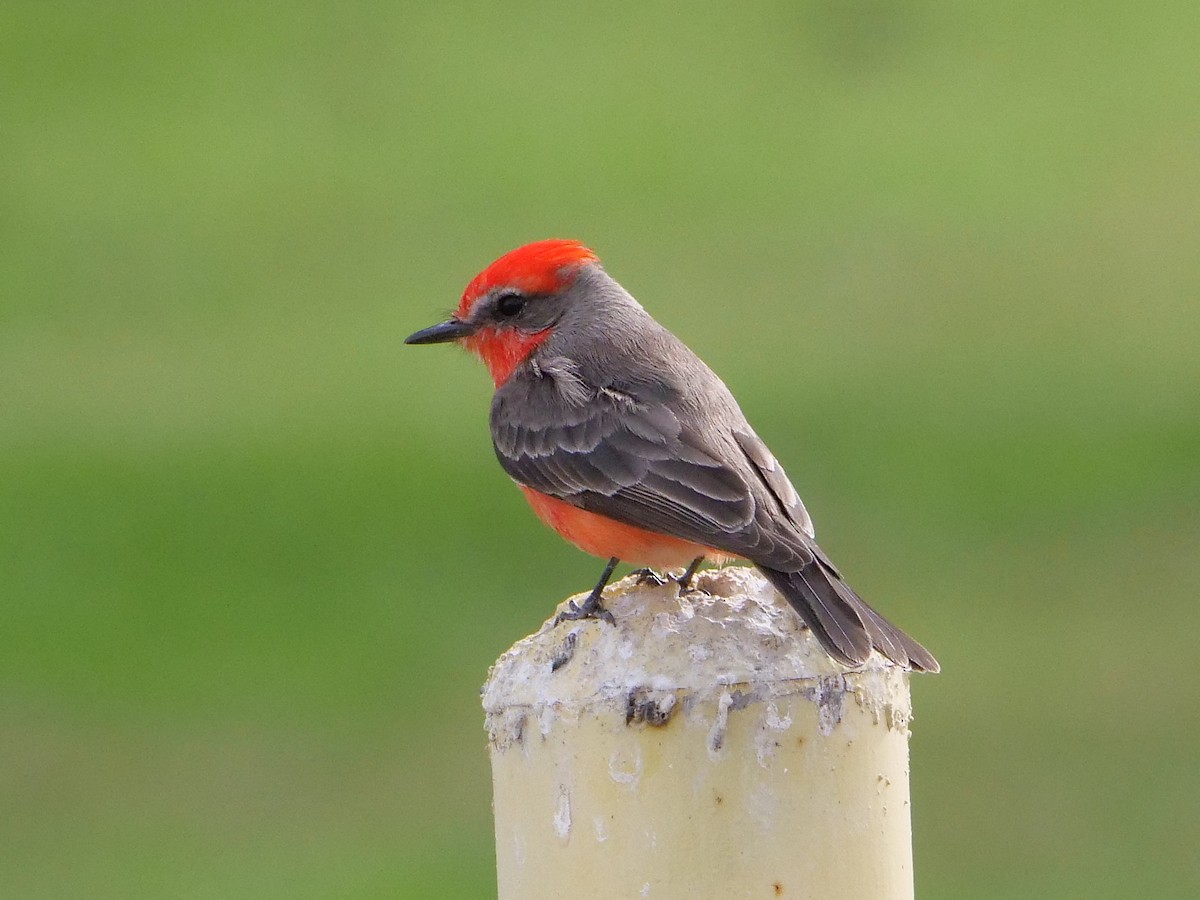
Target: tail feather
[835,622]
[845,625]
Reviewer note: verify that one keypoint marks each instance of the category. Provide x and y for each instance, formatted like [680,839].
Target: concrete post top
[733,640]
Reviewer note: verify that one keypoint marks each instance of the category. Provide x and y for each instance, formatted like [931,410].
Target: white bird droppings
[716,734]
[626,768]
[562,814]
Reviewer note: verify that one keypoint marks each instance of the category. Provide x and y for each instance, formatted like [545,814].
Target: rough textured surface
[702,746]
[668,653]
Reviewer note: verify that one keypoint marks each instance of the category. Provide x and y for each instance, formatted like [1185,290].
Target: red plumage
[542,267]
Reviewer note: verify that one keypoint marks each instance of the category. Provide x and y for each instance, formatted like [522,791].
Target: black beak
[443,332]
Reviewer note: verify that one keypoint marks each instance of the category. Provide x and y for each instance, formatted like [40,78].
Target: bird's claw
[685,582]
[648,576]
[591,609]
[687,579]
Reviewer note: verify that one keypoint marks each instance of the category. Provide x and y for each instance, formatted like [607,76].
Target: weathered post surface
[704,746]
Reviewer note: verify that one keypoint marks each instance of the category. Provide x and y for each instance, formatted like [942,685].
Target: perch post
[704,746]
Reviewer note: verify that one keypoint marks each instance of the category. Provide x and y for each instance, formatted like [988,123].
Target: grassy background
[256,556]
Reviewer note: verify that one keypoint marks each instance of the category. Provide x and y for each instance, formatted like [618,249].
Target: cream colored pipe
[704,747]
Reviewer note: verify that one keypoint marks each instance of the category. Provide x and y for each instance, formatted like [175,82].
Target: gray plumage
[595,418]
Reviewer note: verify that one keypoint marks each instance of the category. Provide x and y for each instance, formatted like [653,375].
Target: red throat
[543,267]
[503,351]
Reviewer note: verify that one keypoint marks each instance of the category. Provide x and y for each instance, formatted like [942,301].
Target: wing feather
[621,451]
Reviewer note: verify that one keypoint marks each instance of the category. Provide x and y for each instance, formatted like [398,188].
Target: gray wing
[774,479]
[621,450]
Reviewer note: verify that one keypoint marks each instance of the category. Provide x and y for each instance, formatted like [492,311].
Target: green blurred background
[256,556]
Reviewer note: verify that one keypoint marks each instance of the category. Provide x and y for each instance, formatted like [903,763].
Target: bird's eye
[509,305]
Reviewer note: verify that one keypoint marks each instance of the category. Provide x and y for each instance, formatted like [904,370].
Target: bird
[630,447]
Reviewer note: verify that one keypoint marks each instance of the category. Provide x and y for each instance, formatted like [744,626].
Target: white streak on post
[712,746]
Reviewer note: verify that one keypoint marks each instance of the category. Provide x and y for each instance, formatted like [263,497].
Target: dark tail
[846,627]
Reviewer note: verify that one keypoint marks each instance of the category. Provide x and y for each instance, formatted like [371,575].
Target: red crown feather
[542,267]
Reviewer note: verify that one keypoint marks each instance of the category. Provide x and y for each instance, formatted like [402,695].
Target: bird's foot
[589,609]
[648,576]
[685,580]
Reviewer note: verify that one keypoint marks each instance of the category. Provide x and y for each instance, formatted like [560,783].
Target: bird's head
[512,305]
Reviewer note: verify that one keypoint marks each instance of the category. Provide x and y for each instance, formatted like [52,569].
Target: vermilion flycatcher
[627,444]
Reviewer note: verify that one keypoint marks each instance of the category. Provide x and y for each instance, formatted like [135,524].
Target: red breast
[605,537]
